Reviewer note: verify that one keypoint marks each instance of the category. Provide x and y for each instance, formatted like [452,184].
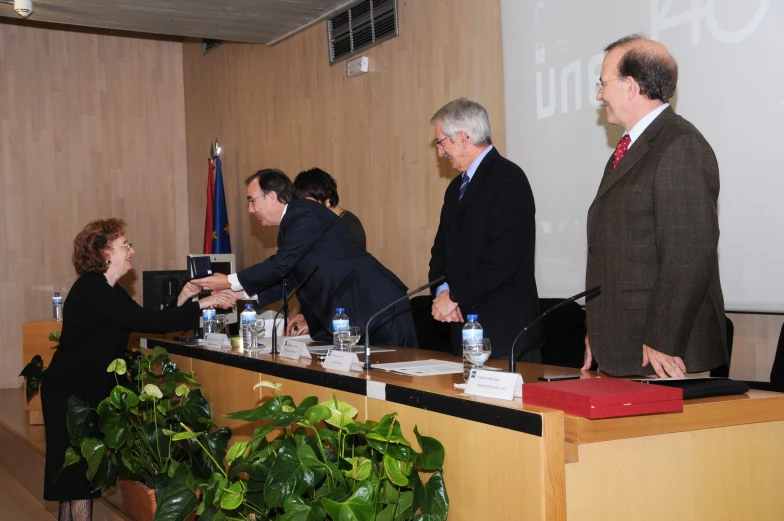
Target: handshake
[221,295]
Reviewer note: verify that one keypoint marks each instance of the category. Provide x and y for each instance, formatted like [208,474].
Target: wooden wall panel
[754,345]
[284,106]
[91,126]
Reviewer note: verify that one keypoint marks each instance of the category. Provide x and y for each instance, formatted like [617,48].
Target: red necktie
[620,150]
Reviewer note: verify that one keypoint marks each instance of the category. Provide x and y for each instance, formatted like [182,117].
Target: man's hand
[455,316]
[215,282]
[236,295]
[588,360]
[443,308]
[297,326]
[666,366]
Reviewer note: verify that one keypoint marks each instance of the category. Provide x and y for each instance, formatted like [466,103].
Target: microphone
[513,356]
[285,305]
[367,366]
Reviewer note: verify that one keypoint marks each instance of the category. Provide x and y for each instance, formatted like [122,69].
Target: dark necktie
[620,150]
[463,185]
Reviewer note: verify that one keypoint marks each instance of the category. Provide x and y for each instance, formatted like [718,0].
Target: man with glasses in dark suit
[485,239]
[311,235]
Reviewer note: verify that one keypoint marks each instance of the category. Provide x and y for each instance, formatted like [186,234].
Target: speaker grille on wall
[209,44]
[362,25]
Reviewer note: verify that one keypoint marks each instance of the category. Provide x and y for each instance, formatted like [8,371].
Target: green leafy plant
[34,371]
[324,464]
[137,434]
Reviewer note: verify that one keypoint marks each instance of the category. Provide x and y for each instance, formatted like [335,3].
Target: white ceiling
[260,21]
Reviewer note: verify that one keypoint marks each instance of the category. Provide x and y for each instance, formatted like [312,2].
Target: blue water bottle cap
[56,293]
[340,310]
[249,306]
[472,318]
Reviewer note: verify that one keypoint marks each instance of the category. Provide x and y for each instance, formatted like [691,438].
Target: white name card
[493,384]
[294,350]
[340,360]
[216,341]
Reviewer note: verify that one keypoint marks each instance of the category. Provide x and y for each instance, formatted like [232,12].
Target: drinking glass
[260,328]
[220,322]
[353,336]
[478,353]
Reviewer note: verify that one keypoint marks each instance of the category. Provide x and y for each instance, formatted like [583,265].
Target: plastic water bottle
[57,307]
[339,324]
[248,326]
[209,317]
[473,334]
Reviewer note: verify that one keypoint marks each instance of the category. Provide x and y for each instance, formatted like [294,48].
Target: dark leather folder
[703,387]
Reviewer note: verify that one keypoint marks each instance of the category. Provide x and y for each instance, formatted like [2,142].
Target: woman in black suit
[97,319]
[317,185]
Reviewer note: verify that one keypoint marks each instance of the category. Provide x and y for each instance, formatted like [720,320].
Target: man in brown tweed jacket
[653,228]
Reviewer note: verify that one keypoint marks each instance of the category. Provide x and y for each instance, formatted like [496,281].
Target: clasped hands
[444,310]
[221,294]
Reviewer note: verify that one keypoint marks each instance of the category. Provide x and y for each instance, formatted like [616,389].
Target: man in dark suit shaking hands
[485,239]
[653,228]
[312,235]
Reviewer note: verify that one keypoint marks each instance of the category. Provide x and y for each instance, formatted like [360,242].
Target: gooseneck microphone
[286,307]
[513,356]
[293,292]
[367,366]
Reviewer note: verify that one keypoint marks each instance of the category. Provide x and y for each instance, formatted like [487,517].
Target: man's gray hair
[468,116]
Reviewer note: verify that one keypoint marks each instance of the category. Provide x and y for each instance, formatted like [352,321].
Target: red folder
[603,397]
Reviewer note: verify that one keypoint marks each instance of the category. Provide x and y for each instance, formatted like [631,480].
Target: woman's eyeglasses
[127,245]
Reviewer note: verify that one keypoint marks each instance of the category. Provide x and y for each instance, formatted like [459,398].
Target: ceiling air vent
[364,24]
[209,44]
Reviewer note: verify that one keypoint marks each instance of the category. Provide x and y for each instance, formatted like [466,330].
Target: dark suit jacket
[311,235]
[653,232]
[485,247]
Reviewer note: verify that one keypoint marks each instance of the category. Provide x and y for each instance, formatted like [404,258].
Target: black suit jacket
[653,233]
[485,247]
[311,235]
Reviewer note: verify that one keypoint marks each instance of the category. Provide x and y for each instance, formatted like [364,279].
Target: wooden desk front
[722,458]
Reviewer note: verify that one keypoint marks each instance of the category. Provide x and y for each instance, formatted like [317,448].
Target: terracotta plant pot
[139,501]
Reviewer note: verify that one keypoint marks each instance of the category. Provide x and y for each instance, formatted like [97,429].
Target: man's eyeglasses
[438,143]
[127,245]
[601,84]
[250,201]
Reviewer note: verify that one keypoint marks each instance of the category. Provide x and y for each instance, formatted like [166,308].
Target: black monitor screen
[161,288]
[221,267]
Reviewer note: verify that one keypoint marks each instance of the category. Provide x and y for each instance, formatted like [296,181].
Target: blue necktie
[463,185]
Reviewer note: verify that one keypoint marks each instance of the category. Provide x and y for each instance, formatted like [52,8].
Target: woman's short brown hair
[91,242]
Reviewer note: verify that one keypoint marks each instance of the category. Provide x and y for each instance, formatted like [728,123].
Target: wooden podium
[35,341]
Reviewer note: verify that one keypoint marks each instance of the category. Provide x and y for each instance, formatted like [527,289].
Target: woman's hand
[189,290]
[218,300]
[297,326]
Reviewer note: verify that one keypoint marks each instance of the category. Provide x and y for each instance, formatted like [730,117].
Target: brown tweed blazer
[653,232]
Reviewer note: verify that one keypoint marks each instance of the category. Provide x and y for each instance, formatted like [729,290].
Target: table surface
[438,393]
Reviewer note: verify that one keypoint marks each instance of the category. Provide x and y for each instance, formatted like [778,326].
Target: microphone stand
[285,305]
[513,356]
[367,366]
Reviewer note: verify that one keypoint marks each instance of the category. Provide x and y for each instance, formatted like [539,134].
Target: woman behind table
[98,317]
[317,185]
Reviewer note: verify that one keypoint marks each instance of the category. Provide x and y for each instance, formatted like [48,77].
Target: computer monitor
[161,288]
[221,263]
